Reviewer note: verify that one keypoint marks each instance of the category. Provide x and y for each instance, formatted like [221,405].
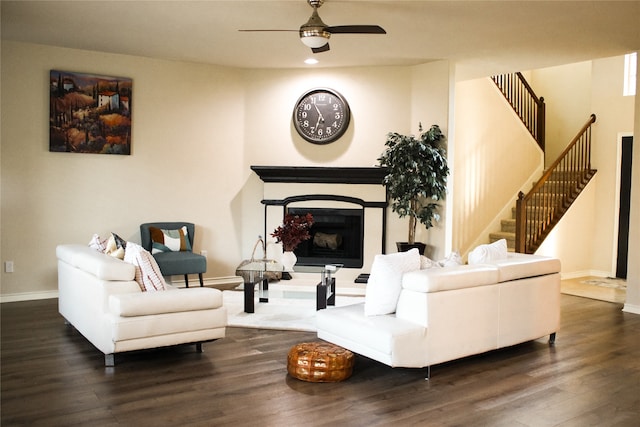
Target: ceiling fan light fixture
[315,34]
[314,38]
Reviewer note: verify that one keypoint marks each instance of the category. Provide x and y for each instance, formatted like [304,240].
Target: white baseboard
[584,273]
[211,281]
[28,296]
[633,309]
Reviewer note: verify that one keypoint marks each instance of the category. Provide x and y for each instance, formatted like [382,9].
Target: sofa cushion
[489,253]
[98,243]
[519,266]
[449,278]
[115,246]
[178,262]
[380,333]
[169,240]
[173,301]
[385,281]
[452,260]
[102,266]
[426,263]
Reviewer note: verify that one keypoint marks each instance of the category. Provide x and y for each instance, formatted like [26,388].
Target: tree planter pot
[406,246]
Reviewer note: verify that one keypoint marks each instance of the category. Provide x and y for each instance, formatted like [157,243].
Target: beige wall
[567,93]
[597,208]
[196,130]
[430,104]
[615,115]
[598,84]
[595,87]
[569,242]
[187,124]
[489,141]
[632,303]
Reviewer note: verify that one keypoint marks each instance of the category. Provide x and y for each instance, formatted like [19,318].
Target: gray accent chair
[175,263]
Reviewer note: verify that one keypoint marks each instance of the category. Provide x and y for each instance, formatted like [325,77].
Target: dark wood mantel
[320,174]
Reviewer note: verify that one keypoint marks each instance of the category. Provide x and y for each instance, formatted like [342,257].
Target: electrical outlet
[8,266]
[204,253]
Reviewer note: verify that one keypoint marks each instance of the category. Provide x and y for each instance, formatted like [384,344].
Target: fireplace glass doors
[337,237]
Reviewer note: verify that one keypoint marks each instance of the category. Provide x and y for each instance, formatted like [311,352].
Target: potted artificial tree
[416,178]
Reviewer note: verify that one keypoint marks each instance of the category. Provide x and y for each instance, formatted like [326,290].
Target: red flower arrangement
[293,231]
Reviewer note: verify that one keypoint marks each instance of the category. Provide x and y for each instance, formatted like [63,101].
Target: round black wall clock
[321,116]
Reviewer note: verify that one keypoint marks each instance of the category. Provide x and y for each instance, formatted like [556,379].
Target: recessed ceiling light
[310,61]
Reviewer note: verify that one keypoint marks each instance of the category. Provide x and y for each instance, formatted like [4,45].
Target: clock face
[321,116]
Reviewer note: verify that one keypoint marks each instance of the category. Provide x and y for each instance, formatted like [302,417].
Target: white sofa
[448,313]
[100,298]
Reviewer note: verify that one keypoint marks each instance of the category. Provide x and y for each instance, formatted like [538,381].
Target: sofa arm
[159,302]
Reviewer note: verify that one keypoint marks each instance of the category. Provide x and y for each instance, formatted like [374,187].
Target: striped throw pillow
[148,273]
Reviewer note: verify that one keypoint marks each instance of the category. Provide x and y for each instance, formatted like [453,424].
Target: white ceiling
[483,37]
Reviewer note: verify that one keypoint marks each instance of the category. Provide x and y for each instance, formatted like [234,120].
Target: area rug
[599,288]
[607,283]
[294,313]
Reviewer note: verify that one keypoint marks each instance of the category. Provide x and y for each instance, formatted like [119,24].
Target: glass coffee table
[325,289]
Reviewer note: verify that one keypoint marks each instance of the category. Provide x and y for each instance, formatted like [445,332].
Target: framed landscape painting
[89,113]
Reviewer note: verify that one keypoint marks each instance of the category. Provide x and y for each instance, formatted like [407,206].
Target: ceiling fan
[315,33]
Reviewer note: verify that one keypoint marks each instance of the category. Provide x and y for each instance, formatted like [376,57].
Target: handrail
[540,209]
[525,103]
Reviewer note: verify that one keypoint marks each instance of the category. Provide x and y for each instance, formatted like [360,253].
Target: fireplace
[349,207]
[337,237]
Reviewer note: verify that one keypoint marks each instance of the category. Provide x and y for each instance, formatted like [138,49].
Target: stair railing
[525,103]
[540,209]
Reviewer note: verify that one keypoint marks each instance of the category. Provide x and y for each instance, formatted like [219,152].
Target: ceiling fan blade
[323,48]
[356,29]
[255,31]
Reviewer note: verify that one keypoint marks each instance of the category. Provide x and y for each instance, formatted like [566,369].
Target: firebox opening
[337,237]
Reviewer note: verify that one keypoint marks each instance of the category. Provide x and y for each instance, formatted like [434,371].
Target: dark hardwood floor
[52,376]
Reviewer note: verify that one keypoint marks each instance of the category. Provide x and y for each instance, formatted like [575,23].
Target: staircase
[527,105]
[537,212]
[538,205]
[507,231]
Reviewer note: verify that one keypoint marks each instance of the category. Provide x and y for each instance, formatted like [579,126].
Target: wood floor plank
[50,375]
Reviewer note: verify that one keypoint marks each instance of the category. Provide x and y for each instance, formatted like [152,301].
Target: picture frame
[89,113]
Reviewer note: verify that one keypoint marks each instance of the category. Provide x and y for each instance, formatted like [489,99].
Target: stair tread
[503,234]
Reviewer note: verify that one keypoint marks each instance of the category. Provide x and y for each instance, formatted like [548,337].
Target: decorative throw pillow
[169,240]
[385,281]
[452,260]
[426,263]
[148,273]
[488,253]
[98,243]
[115,246]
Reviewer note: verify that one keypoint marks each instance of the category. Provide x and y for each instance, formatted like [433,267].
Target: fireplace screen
[337,237]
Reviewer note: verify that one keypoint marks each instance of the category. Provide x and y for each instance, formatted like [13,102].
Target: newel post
[541,125]
[521,221]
